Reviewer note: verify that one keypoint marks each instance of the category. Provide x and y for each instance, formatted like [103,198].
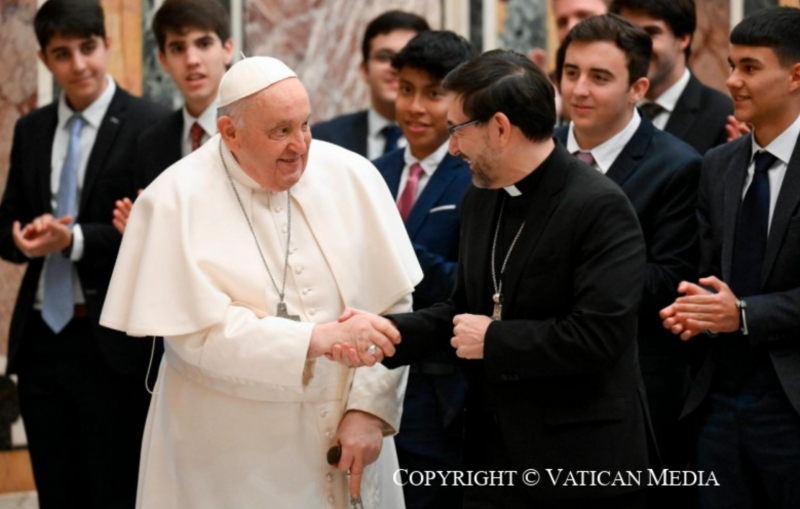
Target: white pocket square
[441,208]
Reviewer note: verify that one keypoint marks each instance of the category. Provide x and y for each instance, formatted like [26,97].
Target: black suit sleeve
[671,239]
[15,206]
[608,262]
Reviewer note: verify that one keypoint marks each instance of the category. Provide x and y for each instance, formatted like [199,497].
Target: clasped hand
[700,310]
[44,235]
[469,332]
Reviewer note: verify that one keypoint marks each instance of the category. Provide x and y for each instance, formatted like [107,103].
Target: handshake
[359,338]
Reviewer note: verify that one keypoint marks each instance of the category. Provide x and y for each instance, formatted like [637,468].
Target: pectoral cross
[498,307]
[284,313]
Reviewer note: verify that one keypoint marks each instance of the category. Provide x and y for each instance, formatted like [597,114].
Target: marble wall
[321,41]
[17,97]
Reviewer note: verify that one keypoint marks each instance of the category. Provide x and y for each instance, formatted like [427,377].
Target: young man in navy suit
[745,398]
[195,48]
[373,132]
[602,66]
[429,184]
[677,101]
[81,387]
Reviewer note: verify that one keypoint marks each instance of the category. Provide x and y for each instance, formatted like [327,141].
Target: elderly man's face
[271,144]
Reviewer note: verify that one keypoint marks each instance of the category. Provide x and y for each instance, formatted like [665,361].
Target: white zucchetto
[251,75]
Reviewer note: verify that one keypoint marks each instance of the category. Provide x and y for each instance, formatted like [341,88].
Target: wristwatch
[742,305]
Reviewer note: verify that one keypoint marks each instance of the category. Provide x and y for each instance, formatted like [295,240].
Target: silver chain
[282,290]
[498,288]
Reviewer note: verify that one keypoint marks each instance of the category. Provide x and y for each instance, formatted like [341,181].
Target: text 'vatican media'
[554,477]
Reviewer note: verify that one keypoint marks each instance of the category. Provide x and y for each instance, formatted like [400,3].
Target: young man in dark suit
[194,48]
[373,132]
[602,68]
[745,398]
[81,387]
[428,184]
[550,275]
[677,101]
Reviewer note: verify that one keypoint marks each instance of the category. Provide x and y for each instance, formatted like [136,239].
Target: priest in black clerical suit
[554,383]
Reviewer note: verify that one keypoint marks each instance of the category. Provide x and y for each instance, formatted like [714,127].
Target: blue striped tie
[58,305]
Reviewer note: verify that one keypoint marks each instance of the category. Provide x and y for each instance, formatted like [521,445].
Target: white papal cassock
[239,419]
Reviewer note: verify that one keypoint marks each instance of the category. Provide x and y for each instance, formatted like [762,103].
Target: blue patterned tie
[58,305]
[752,226]
[392,133]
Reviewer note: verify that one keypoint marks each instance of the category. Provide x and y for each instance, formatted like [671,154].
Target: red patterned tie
[196,133]
[406,201]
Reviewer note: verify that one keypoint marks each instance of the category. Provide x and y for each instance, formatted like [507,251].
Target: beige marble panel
[709,60]
[321,41]
[124,27]
[17,97]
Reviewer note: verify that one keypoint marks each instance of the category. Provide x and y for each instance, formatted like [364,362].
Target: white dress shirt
[782,148]
[207,120]
[669,99]
[607,152]
[376,141]
[93,115]
[429,165]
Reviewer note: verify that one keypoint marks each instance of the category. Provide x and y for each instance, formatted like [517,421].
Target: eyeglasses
[453,129]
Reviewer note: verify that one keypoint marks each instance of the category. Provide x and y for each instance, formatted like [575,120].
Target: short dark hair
[632,40]
[436,52]
[679,15]
[180,16]
[69,18]
[507,82]
[777,28]
[390,21]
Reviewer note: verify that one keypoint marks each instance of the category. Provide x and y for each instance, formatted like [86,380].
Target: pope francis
[242,255]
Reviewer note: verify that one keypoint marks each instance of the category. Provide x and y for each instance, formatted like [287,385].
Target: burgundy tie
[406,201]
[196,133]
[586,157]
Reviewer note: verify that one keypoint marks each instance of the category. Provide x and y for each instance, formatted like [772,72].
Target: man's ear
[794,77]
[162,59]
[685,42]
[500,129]
[227,47]
[228,132]
[639,89]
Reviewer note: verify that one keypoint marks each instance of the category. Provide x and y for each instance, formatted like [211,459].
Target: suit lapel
[174,150]
[538,216]
[732,198]
[45,158]
[108,130]
[391,172]
[627,160]
[477,243]
[360,134]
[788,198]
[434,189]
[682,118]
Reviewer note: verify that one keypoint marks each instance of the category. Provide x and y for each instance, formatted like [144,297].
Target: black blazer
[348,131]
[433,223]
[109,177]
[158,148]
[773,316]
[659,173]
[560,371]
[700,116]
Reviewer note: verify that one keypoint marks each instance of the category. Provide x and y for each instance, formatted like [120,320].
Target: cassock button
[329,477]
[306,290]
[284,230]
[330,500]
[278,209]
[328,435]
[323,413]
[298,270]
[312,311]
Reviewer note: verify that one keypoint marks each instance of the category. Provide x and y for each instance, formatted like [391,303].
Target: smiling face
[196,60]
[378,72]
[422,107]
[764,92]
[78,65]
[472,144]
[596,91]
[271,139]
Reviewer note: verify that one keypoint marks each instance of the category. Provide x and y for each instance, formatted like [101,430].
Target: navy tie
[752,226]
[392,133]
[58,304]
